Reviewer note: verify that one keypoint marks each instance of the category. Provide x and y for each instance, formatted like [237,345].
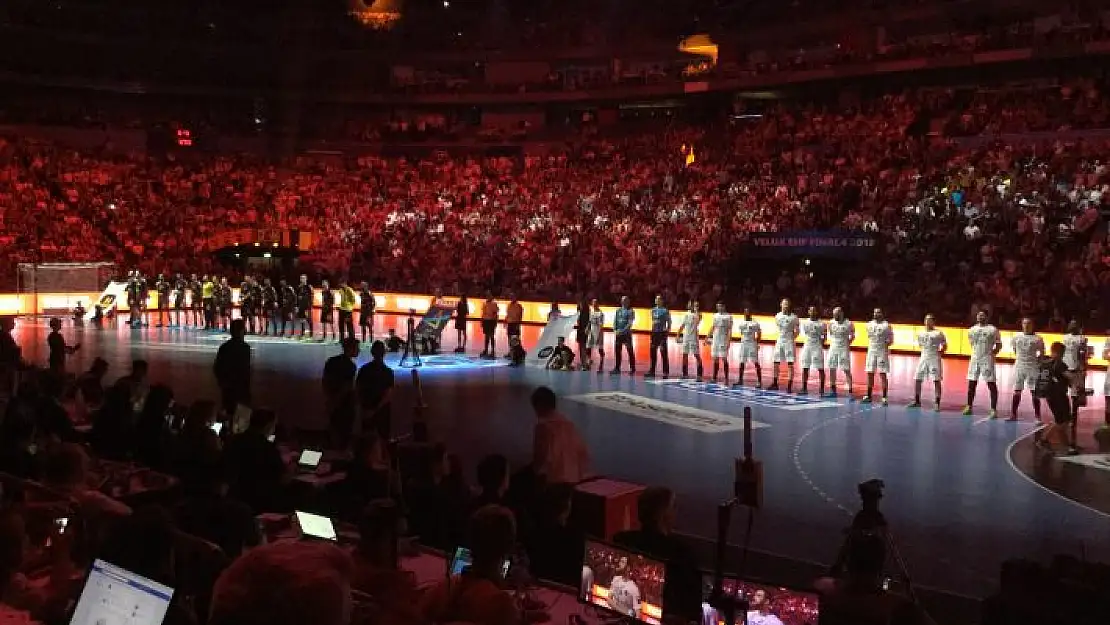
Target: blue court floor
[963,493]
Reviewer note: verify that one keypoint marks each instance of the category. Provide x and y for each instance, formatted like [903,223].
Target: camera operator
[855,593]
[1053,383]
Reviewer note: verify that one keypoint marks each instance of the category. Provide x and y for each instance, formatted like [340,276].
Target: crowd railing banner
[905,334]
[848,245]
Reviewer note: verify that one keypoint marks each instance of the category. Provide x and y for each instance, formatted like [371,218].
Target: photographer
[854,593]
[1053,383]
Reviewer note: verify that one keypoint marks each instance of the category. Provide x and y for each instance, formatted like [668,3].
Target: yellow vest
[208,289]
[347,298]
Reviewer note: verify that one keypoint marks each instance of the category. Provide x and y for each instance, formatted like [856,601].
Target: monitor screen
[623,582]
[462,559]
[114,595]
[767,604]
[315,526]
[217,427]
[310,458]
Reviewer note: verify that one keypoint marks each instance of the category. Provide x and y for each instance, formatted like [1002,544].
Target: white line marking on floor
[1013,467]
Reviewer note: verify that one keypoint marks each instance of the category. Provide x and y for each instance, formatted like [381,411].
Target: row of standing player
[838,333]
[283,310]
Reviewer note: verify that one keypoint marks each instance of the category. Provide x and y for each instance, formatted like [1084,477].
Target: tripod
[411,356]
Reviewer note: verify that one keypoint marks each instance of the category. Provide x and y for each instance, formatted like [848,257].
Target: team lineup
[285,310]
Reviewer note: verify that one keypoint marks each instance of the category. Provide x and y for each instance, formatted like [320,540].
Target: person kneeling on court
[562,357]
[1053,382]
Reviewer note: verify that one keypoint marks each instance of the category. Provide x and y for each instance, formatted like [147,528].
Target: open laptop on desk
[115,595]
[309,461]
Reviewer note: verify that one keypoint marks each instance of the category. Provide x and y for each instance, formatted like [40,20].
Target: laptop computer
[115,595]
[314,526]
[309,460]
[462,559]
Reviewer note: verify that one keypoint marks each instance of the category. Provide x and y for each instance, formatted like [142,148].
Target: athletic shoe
[936,406]
[1073,451]
[615,372]
[649,374]
[1012,418]
[992,414]
[967,411]
[885,402]
[866,399]
[914,404]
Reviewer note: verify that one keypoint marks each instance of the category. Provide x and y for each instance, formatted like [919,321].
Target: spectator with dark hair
[285,583]
[152,430]
[208,512]
[655,510]
[555,548]
[138,383]
[112,425]
[559,454]
[377,569]
[254,464]
[233,369]
[437,500]
[476,596]
[52,420]
[17,445]
[146,544]
[91,384]
[375,392]
[66,472]
[196,445]
[493,481]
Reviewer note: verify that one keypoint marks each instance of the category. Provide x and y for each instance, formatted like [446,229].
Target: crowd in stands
[963,223]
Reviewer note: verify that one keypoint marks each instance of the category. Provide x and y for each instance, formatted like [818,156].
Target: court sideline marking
[1013,467]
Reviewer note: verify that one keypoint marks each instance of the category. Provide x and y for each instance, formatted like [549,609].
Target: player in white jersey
[787,323]
[719,339]
[814,331]
[624,594]
[1028,350]
[1076,353]
[750,334]
[879,337]
[932,344]
[759,610]
[841,334]
[595,338]
[688,337]
[985,344]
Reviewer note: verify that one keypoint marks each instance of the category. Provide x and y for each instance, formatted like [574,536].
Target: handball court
[962,493]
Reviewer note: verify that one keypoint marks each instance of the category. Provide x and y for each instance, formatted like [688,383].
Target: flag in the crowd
[688,152]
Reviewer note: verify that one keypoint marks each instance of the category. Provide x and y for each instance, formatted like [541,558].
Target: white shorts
[840,358]
[784,352]
[593,341]
[719,349]
[981,369]
[1025,377]
[691,347]
[1105,386]
[749,352]
[813,358]
[877,361]
[931,368]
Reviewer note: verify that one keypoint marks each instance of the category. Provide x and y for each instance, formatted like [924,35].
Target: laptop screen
[115,595]
[315,526]
[767,604]
[463,559]
[217,427]
[623,582]
[310,458]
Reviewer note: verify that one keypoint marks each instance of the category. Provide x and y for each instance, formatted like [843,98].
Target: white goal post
[62,282]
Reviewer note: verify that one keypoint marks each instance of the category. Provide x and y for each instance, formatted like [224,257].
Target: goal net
[64,277]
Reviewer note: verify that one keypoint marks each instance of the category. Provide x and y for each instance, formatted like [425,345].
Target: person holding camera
[1053,383]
